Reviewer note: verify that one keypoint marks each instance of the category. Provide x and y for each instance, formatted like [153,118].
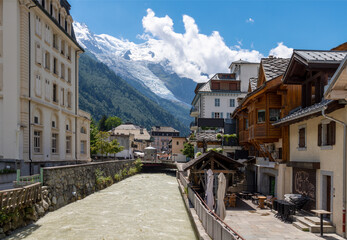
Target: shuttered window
[38,54]
[327,134]
[302,137]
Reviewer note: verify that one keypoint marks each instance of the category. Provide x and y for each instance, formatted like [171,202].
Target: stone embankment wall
[67,184]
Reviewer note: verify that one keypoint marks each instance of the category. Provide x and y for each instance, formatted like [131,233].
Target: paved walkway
[252,223]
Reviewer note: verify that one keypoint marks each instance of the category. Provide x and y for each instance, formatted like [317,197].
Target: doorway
[327,192]
[272,184]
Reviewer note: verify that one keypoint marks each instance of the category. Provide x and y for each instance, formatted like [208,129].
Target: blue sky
[298,24]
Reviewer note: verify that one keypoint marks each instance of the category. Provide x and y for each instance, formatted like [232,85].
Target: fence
[20,197]
[215,227]
[27,180]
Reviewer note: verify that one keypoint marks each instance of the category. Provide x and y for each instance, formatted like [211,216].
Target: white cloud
[250,20]
[281,51]
[190,54]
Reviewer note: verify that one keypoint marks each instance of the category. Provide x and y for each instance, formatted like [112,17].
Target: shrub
[219,136]
[132,171]
[124,172]
[117,177]
[198,154]
[138,165]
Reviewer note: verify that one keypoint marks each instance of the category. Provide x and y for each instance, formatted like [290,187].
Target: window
[38,25]
[326,133]
[47,33]
[177,143]
[246,123]
[38,85]
[261,116]
[38,54]
[54,142]
[83,147]
[47,60]
[69,75]
[83,130]
[69,52]
[47,89]
[217,115]
[55,41]
[229,115]
[216,102]
[54,124]
[62,70]
[37,142]
[55,93]
[232,102]
[55,66]
[36,119]
[69,99]
[62,96]
[275,115]
[68,144]
[302,137]
[62,47]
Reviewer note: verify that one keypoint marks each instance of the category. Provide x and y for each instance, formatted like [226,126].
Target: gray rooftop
[316,56]
[304,112]
[274,67]
[207,136]
[163,129]
[253,82]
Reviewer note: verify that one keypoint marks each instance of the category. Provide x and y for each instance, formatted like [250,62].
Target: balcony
[194,112]
[193,126]
[211,122]
[243,136]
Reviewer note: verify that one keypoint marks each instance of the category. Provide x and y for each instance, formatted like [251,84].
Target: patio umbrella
[209,190]
[220,196]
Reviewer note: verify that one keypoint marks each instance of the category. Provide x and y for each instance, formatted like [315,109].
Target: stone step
[314,228]
[316,220]
[301,226]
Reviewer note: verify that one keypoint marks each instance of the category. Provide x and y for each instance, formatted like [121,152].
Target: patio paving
[254,223]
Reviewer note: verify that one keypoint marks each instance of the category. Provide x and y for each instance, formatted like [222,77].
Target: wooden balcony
[243,136]
[264,132]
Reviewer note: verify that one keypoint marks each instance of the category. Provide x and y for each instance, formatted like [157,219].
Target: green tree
[115,148]
[93,132]
[102,123]
[188,150]
[112,122]
[102,144]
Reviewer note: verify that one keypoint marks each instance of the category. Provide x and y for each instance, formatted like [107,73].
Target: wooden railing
[20,197]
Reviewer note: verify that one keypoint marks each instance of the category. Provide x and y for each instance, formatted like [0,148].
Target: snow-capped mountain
[137,64]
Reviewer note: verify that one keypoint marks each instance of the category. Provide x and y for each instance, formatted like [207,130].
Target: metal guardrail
[215,227]
[20,197]
[27,180]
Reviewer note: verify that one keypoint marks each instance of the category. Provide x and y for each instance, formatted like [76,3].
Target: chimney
[141,130]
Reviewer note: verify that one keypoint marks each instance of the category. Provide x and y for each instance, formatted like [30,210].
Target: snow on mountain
[126,58]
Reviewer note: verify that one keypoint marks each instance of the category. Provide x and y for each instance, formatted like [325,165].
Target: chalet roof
[336,76]
[253,83]
[341,47]
[303,112]
[208,155]
[242,62]
[274,67]
[163,129]
[207,136]
[224,76]
[321,56]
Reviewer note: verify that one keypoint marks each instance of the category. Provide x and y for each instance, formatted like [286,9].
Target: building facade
[176,147]
[40,120]
[161,137]
[316,166]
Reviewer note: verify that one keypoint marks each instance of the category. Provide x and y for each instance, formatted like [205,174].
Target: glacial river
[144,206]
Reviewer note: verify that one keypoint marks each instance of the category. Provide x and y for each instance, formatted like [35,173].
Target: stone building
[162,136]
[40,120]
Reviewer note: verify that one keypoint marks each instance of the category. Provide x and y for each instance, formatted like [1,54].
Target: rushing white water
[145,206]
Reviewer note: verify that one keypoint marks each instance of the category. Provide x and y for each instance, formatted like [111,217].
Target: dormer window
[36,120]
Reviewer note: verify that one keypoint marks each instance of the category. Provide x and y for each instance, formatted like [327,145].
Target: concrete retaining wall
[67,184]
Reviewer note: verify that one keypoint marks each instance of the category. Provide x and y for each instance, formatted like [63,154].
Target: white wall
[208,103]
[248,71]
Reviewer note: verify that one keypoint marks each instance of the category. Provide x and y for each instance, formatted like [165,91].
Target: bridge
[159,164]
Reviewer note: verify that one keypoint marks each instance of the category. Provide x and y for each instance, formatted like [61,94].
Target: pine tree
[102,123]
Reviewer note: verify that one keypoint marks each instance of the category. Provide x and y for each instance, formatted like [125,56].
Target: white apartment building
[40,121]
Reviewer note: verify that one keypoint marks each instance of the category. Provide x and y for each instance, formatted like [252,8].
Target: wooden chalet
[218,163]
[267,101]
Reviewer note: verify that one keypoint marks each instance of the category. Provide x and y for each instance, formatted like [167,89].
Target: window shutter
[221,115]
[319,135]
[332,133]
[212,115]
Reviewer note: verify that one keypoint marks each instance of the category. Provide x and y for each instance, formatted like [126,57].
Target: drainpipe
[343,167]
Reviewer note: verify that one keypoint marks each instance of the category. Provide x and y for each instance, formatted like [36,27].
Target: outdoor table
[261,200]
[321,213]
